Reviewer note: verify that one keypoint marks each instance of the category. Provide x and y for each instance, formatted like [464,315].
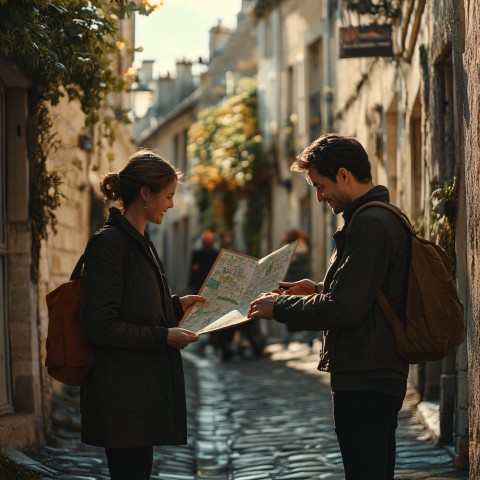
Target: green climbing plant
[229,163]
[66,49]
[443,216]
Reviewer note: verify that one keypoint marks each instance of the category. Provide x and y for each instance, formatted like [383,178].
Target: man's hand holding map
[234,281]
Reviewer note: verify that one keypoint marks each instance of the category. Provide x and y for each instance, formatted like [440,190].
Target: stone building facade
[292,83]
[407,110]
[414,111]
[25,387]
[469,67]
[21,420]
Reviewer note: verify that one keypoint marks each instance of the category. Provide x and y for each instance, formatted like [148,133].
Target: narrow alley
[249,419]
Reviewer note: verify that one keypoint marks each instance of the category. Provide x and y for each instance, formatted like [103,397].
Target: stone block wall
[24,424]
[472,186]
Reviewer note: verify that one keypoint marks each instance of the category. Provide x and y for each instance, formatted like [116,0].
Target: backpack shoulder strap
[384,304]
[388,206]
[78,270]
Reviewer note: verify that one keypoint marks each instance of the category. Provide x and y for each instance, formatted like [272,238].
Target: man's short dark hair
[332,151]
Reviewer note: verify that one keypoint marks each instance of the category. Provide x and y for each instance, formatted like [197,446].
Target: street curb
[19,458]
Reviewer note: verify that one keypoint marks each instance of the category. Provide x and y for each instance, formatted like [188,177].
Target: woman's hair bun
[110,186]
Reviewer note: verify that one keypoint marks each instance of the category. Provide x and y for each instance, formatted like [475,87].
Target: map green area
[234,281]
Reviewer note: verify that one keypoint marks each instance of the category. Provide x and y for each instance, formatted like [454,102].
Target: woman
[135,396]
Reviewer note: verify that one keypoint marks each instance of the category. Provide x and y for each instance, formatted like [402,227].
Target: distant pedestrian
[202,261]
[135,396]
[368,377]
[228,240]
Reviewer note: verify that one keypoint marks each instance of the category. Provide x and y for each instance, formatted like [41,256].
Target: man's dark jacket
[135,395]
[359,349]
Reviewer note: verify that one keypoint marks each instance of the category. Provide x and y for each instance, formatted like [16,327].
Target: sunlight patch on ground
[299,356]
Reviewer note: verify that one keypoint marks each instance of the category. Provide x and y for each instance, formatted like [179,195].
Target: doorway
[5,383]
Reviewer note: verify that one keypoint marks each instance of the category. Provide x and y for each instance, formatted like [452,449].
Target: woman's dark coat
[135,395]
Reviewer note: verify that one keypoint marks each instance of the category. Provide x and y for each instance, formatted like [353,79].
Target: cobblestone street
[269,418]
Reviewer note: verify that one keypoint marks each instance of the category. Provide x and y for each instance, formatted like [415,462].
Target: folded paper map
[234,281]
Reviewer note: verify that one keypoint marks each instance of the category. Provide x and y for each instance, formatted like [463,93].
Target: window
[417,191]
[290,133]
[391,149]
[315,89]
[184,166]
[180,142]
[176,150]
[268,38]
[445,123]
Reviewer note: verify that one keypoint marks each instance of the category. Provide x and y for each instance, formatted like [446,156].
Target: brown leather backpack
[69,355]
[434,325]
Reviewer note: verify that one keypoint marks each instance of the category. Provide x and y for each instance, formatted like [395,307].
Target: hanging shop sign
[366,41]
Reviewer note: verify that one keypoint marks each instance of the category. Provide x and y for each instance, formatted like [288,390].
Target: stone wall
[25,411]
[472,180]
[409,111]
[25,424]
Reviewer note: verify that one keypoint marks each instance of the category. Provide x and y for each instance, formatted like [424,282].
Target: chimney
[243,13]
[145,73]
[163,101]
[219,36]
[184,84]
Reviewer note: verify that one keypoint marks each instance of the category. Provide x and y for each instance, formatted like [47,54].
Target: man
[368,377]
[202,261]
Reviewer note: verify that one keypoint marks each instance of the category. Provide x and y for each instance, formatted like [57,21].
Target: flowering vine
[229,163]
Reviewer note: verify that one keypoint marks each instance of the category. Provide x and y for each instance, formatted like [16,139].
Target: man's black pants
[130,463]
[365,423]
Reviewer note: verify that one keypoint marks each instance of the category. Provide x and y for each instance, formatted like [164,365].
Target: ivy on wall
[443,217]
[45,194]
[65,48]
[229,164]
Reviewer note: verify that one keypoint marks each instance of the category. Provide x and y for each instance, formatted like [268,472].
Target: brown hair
[332,151]
[144,168]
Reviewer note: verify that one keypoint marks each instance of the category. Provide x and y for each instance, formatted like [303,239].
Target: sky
[180,29]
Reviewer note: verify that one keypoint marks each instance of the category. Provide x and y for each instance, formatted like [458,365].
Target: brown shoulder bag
[69,355]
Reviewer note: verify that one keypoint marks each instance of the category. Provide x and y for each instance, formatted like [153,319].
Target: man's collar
[377,193]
